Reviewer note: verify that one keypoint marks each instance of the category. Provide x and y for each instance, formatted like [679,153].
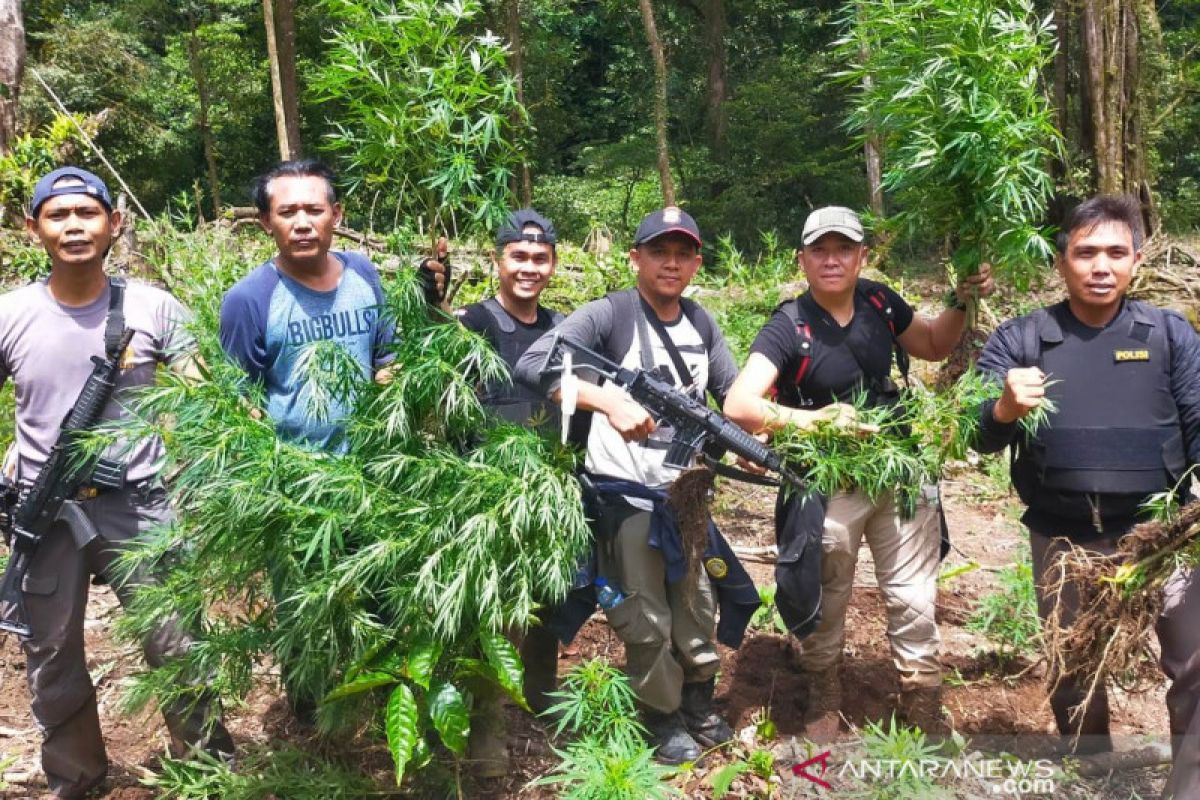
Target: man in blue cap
[668,624]
[49,332]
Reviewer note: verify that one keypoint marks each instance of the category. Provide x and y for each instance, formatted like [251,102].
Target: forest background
[181,98]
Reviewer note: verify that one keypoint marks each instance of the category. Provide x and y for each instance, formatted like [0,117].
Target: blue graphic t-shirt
[268,320]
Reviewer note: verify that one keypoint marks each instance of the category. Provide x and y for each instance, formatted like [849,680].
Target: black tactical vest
[513,401]
[1116,436]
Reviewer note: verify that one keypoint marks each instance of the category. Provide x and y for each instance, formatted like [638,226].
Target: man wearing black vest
[814,355]
[1125,379]
[511,321]
[666,622]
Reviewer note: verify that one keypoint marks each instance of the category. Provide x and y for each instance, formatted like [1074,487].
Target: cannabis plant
[952,92]
[609,758]
[1008,616]
[380,582]
[916,436]
[423,110]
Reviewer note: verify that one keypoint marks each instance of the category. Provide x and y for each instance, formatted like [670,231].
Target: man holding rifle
[668,631]
[53,333]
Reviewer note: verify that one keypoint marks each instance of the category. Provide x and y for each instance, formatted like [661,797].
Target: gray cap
[832,219]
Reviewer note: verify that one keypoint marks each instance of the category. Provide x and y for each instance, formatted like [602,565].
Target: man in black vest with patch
[1125,379]
[511,321]
[808,363]
[525,260]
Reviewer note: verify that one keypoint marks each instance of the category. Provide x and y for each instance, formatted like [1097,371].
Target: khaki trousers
[906,568]
[669,636]
[63,698]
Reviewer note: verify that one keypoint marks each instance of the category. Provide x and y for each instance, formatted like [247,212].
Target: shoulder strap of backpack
[795,313]
[701,321]
[503,321]
[877,299]
[620,339]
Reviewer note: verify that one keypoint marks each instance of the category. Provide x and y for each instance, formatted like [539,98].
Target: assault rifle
[60,479]
[697,427]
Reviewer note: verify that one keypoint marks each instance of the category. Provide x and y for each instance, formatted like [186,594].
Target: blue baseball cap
[671,219]
[92,186]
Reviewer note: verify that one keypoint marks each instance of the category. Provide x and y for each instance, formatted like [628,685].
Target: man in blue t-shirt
[304,295]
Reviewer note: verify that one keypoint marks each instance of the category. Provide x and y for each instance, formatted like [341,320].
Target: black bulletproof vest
[514,401]
[1115,437]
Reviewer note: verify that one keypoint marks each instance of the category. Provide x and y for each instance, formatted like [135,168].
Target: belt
[91,491]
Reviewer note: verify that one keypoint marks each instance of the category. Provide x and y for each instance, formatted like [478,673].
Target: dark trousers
[63,698]
[1178,630]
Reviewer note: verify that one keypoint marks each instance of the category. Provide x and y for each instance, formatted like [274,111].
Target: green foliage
[917,435]
[423,110]
[262,773]
[897,743]
[380,579]
[1008,616]
[608,759]
[766,616]
[29,158]
[953,92]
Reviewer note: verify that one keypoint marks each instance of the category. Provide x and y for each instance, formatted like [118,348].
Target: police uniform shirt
[834,373]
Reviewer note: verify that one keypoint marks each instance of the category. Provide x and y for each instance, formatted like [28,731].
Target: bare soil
[982,698]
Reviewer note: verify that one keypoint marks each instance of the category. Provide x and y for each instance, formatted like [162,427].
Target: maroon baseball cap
[671,219]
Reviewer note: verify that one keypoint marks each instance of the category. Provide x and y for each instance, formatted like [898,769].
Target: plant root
[1120,600]
[690,497]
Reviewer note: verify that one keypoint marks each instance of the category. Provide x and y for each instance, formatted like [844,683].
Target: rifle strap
[648,315]
[114,326]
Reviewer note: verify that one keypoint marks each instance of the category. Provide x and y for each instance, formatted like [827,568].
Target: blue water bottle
[608,595]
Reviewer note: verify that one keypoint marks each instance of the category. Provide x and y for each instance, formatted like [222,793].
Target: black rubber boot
[539,653]
[667,734]
[701,719]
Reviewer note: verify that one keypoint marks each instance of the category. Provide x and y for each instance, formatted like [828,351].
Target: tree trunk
[1062,71]
[12,66]
[517,62]
[716,121]
[200,76]
[660,101]
[286,144]
[1120,94]
[872,155]
[285,21]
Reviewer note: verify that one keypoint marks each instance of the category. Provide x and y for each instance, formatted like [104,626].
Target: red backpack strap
[804,332]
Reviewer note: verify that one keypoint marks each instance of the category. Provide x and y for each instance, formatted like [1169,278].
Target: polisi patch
[671,215]
[1120,356]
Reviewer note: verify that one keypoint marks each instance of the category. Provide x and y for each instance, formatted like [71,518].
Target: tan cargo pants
[669,636]
[906,568]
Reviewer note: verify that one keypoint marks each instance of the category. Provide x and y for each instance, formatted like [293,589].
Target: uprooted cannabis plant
[911,442]
[381,582]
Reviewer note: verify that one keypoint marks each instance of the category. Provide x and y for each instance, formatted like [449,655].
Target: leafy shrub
[1008,616]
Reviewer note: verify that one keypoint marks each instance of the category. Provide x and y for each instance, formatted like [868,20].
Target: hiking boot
[921,707]
[668,735]
[487,743]
[701,720]
[821,693]
[539,654]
